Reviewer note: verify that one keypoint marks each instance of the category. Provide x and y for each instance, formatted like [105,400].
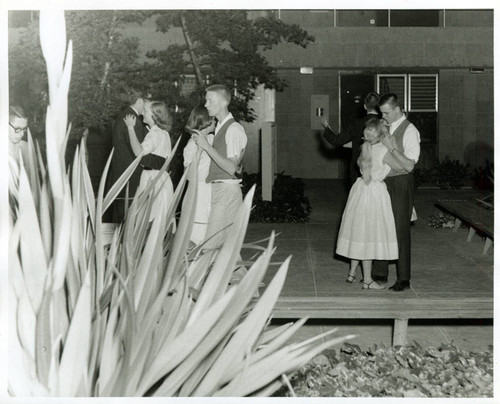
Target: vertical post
[400,331]
[268,153]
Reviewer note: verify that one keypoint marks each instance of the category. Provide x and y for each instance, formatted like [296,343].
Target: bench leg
[472,231]
[458,222]
[400,331]
[487,245]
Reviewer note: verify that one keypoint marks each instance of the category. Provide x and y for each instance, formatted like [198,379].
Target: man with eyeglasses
[18,128]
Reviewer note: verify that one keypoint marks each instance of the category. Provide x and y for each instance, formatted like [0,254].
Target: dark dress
[123,156]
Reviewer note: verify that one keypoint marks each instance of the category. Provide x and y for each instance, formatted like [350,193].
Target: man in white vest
[404,145]
[226,154]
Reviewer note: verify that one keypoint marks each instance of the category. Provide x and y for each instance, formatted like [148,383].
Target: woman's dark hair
[198,118]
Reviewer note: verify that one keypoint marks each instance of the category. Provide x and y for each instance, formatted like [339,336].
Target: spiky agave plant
[143,315]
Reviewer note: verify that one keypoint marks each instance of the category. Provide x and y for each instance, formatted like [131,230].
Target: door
[353,89]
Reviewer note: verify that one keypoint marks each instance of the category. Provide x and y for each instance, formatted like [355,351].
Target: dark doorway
[353,89]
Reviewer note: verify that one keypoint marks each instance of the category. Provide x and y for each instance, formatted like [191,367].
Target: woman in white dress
[368,231]
[199,122]
[157,141]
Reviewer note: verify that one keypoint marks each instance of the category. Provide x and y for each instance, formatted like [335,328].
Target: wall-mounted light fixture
[476,70]
[306,70]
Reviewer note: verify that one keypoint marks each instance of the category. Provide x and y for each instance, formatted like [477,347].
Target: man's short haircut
[15,111]
[221,90]
[391,99]
[133,94]
[371,100]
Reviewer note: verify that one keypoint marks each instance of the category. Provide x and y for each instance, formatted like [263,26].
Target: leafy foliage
[223,47]
[289,203]
[446,174]
[105,63]
[439,221]
[483,176]
[410,371]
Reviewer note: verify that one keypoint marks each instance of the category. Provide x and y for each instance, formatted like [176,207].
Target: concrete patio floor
[443,264]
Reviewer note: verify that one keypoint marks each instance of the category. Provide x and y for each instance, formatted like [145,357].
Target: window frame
[436,103]
[405,77]
[407,89]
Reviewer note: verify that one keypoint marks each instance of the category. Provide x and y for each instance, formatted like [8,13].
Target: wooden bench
[398,309]
[476,215]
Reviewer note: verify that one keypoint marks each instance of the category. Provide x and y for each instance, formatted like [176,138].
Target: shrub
[483,176]
[450,174]
[289,203]
[446,174]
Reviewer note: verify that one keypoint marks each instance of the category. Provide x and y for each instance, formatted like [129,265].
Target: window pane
[469,18]
[393,84]
[423,92]
[414,18]
[362,18]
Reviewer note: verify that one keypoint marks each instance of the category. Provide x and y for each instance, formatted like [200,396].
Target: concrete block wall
[466,115]
[301,152]
[465,118]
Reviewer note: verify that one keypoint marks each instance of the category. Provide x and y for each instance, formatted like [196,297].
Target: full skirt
[368,230]
[163,192]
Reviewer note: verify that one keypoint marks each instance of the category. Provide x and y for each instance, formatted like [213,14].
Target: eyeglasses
[17,130]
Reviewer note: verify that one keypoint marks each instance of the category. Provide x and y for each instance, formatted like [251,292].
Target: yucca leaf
[23,380]
[110,348]
[120,182]
[148,262]
[247,333]
[74,359]
[279,340]
[62,235]
[269,335]
[32,171]
[53,49]
[195,378]
[129,328]
[43,339]
[87,185]
[218,277]
[180,314]
[181,241]
[245,290]
[171,355]
[32,251]
[45,219]
[40,165]
[60,319]
[283,361]
[198,269]
[22,307]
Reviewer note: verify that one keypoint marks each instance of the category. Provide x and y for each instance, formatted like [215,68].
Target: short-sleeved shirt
[157,141]
[411,139]
[236,138]
[236,142]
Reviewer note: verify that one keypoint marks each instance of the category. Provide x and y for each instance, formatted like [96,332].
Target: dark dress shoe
[379,278]
[400,285]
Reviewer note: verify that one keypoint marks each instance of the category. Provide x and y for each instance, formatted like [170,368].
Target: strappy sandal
[351,278]
[373,285]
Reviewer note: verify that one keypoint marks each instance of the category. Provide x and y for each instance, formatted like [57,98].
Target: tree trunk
[194,58]
[111,38]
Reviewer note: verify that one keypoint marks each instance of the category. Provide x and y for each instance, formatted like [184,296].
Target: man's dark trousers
[401,189]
